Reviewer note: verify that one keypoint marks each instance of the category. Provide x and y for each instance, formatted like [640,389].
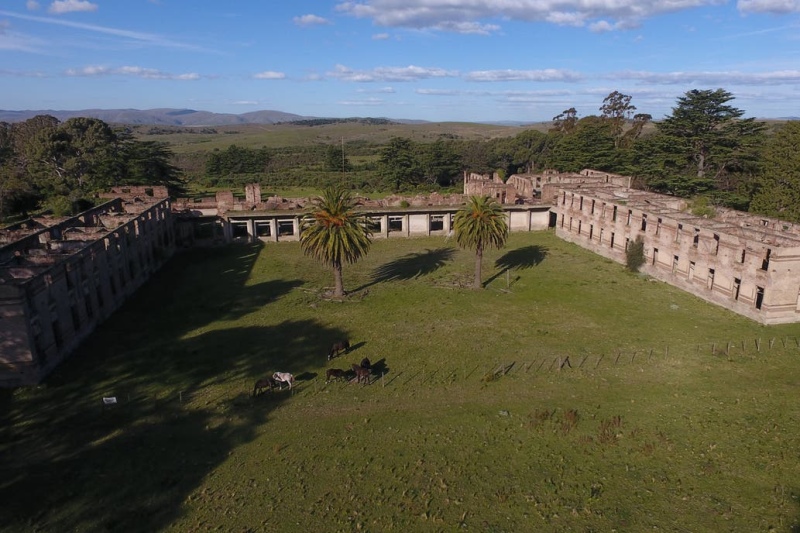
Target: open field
[183,140]
[671,415]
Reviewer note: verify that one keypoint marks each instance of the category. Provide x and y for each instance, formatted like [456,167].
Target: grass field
[281,135]
[671,414]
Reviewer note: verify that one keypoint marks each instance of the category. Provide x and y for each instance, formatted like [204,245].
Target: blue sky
[438,60]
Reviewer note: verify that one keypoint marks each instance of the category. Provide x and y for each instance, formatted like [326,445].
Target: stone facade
[745,263]
[60,278]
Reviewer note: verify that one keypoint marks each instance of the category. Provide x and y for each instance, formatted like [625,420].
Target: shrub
[634,255]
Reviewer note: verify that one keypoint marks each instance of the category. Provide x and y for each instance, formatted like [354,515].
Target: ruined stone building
[746,263]
[60,278]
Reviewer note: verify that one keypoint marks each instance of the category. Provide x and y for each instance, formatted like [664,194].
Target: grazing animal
[283,377]
[366,364]
[362,374]
[334,373]
[262,384]
[337,348]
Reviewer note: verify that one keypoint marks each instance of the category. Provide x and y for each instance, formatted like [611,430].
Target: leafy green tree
[778,185]
[336,160]
[709,135]
[617,110]
[439,163]
[480,224]
[590,145]
[147,163]
[399,164]
[333,233]
[565,122]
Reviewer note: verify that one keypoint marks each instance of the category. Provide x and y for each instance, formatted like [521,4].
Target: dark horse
[264,383]
[362,374]
[366,364]
[337,348]
[335,373]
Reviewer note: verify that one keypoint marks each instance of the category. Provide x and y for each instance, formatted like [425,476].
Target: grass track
[651,432]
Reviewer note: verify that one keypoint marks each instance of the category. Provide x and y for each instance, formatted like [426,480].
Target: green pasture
[280,135]
[569,395]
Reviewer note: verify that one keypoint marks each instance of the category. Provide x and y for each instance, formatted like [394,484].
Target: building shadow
[410,266]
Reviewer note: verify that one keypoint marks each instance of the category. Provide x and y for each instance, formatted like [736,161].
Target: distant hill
[162,117]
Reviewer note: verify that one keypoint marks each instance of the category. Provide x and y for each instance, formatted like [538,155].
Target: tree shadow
[410,266]
[518,259]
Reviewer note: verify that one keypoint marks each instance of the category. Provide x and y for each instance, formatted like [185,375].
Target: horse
[362,374]
[334,373]
[366,364]
[283,377]
[262,384]
[337,348]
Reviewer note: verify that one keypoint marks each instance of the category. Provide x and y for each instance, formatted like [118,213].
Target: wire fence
[522,367]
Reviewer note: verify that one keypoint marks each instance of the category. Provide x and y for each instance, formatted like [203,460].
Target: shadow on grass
[519,259]
[69,463]
[410,266]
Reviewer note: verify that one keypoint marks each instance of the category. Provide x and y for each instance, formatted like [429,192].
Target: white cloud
[138,72]
[365,102]
[310,20]
[32,5]
[245,102]
[779,7]
[437,92]
[380,36]
[382,74]
[69,6]
[475,16]
[711,78]
[524,75]
[269,75]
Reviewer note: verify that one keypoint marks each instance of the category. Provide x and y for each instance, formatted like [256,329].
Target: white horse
[283,377]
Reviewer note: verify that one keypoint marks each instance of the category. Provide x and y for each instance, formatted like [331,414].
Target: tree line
[59,166]
[705,148]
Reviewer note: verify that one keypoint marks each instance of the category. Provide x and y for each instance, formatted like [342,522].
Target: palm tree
[333,233]
[478,225]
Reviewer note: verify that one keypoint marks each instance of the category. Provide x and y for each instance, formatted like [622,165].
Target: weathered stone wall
[57,284]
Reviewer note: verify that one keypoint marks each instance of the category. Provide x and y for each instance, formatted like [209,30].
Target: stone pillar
[296,227]
[385,226]
[251,230]
[273,230]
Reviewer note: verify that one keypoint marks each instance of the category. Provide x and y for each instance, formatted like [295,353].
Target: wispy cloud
[69,6]
[380,36]
[384,74]
[22,74]
[269,75]
[524,75]
[479,16]
[32,5]
[437,92]
[711,78]
[138,72]
[777,7]
[364,102]
[310,20]
[140,37]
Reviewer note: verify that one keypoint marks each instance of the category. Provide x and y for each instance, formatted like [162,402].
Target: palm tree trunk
[478,260]
[338,286]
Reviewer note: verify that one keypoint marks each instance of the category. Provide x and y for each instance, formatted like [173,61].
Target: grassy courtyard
[569,395]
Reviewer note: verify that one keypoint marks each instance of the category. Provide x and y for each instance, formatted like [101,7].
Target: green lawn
[469,423]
